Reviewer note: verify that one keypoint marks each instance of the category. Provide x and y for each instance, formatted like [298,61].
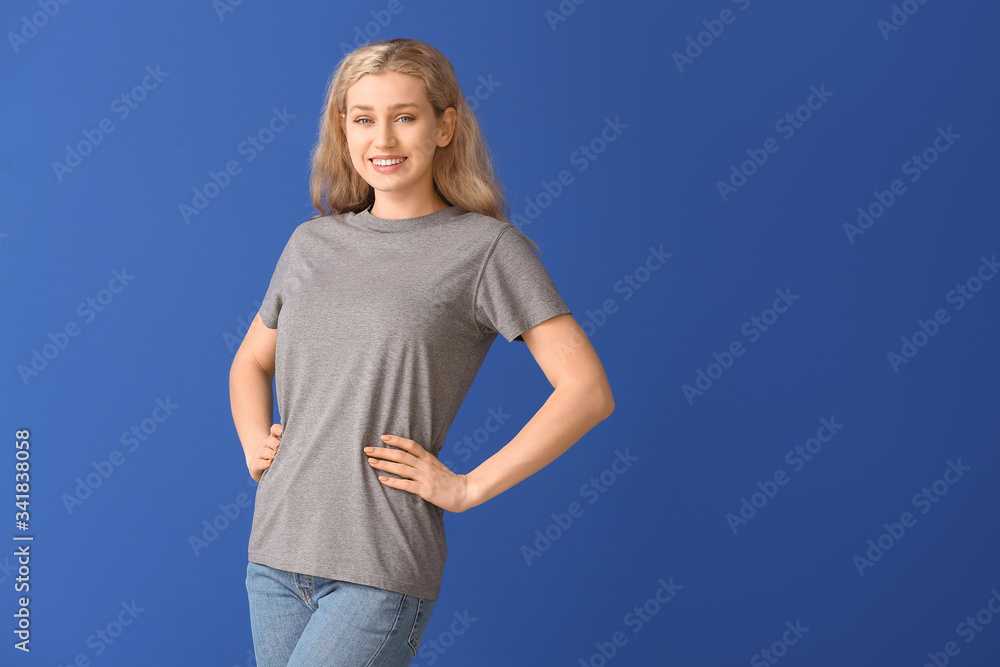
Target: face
[389,117]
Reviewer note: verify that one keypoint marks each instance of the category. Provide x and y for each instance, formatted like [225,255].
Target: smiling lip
[388,169]
[385,157]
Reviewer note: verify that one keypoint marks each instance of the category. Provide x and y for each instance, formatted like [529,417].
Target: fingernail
[369,449]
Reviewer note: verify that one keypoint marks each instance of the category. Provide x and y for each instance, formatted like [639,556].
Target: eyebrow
[392,107]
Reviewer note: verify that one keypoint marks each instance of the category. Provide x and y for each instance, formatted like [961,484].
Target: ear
[446,126]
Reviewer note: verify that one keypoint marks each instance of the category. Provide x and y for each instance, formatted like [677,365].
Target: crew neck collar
[370,221]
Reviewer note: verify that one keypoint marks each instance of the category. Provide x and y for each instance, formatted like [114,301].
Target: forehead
[380,91]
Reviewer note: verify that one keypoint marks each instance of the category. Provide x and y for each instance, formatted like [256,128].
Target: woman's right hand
[266,450]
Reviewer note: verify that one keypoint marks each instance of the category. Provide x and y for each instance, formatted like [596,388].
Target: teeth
[386,163]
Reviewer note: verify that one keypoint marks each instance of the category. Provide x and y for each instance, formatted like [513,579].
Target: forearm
[252,402]
[565,417]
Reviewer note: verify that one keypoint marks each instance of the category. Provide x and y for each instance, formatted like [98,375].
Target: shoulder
[313,225]
[484,228]
[307,231]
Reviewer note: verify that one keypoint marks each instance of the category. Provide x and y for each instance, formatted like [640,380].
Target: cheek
[427,145]
[355,151]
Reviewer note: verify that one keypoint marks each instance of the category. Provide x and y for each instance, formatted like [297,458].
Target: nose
[384,135]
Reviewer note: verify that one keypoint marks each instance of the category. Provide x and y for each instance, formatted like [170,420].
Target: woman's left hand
[425,475]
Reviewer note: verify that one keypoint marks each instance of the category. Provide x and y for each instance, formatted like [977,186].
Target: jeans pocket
[420,621]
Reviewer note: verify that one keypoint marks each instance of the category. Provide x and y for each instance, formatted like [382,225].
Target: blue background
[171,333]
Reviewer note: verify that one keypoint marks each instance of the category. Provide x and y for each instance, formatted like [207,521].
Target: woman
[378,316]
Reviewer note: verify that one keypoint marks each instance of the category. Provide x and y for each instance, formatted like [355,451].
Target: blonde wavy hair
[462,171]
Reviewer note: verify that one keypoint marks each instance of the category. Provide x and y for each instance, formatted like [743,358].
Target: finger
[395,482]
[390,454]
[410,446]
[395,468]
[383,452]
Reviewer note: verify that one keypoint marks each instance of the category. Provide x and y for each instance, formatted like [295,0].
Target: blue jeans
[301,620]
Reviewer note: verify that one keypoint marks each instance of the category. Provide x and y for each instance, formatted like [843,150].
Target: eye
[358,120]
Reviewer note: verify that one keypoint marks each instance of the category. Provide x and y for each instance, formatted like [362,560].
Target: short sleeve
[270,307]
[515,291]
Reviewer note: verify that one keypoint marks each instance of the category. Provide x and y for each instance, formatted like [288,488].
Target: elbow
[235,369]
[246,371]
[601,400]
[592,395]
[602,393]
[245,360]
[608,405]
[234,377]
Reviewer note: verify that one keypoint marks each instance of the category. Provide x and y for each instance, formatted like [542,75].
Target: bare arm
[581,399]
[250,395]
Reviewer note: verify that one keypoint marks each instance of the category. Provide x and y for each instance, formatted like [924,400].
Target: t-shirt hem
[365,578]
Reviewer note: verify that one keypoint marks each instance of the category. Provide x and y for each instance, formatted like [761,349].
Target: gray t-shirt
[382,327]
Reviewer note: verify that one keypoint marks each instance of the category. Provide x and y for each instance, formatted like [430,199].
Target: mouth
[386,165]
